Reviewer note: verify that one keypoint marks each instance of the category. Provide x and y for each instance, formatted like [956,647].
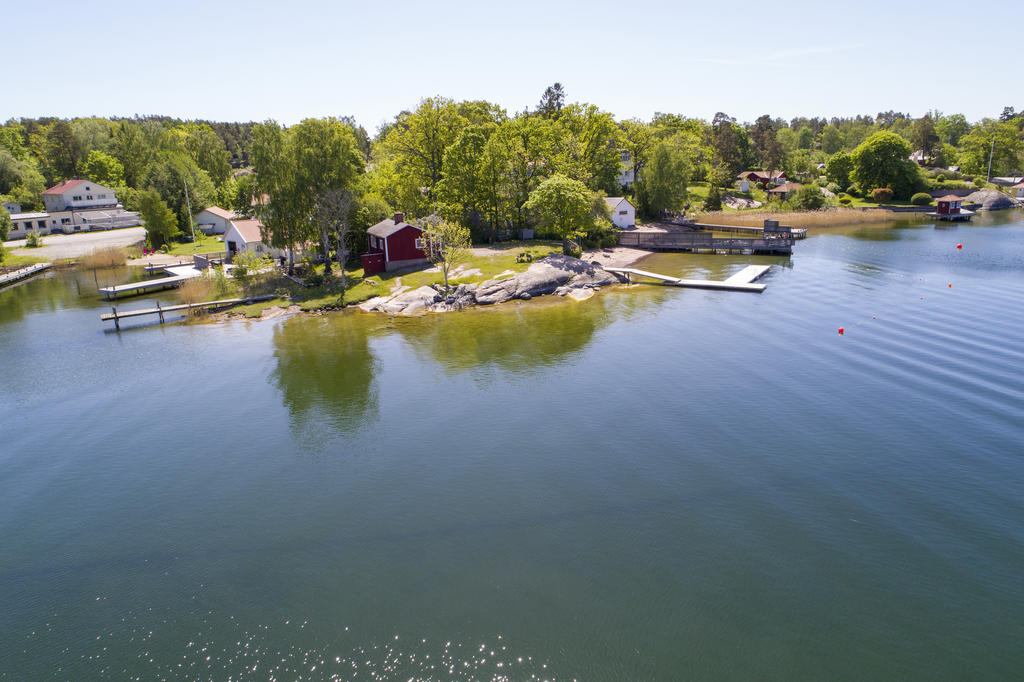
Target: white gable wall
[623,214]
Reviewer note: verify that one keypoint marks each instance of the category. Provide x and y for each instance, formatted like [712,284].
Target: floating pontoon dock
[741,281]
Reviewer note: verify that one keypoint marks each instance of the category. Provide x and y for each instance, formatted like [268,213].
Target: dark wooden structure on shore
[775,239]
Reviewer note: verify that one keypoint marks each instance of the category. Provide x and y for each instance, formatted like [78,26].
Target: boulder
[990,200]
[496,291]
[409,302]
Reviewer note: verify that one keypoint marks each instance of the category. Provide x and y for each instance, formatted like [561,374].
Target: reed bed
[109,257]
[830,217]
[196,290]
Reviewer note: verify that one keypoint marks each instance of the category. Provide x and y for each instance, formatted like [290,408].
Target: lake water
[655,484]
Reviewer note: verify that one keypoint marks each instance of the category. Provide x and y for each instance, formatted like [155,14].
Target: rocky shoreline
[557,274]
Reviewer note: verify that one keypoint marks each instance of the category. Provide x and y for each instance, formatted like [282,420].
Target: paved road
[74,245]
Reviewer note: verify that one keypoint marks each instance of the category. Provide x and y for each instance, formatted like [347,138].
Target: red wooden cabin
[393,244]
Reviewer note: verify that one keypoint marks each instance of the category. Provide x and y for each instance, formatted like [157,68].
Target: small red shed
[949,204]
[393,244]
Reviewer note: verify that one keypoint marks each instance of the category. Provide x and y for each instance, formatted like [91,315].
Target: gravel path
[56,246]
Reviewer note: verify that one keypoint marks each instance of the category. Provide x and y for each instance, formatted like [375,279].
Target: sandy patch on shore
[615,257]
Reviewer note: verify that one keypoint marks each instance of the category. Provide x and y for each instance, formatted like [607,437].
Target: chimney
[399,218]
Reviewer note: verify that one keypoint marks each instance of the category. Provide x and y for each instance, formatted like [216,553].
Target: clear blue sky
[298,58]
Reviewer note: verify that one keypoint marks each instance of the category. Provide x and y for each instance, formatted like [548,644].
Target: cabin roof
[787,187]
[388,227]
[248,229]
[950,197]
[220,212]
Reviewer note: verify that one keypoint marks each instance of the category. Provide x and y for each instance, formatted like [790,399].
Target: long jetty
[22,273]
[741,281]
[176,275]
[160,311]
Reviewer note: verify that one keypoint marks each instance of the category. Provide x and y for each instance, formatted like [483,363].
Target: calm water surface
[655,484]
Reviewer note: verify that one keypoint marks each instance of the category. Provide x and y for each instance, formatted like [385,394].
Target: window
[89,197]
[623,212]
[41,224]
[65,221]
[421,243]
[102,196]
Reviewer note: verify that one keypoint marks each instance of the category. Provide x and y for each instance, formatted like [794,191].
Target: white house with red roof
[74,206]
[214,220]
[77,195]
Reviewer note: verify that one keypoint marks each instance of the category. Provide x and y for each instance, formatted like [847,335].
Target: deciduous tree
[882,161]
[160,221]
[563,206]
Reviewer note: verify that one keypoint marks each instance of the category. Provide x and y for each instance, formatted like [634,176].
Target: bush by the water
[807,198]
[853,191]
[921,199]
[881,194]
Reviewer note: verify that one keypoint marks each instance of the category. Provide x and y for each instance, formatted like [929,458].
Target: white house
[213,220]
[74,206]
[625,177]
[623,212]
[243,236]
[73,195]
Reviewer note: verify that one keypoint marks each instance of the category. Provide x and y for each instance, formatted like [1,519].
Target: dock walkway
[705,242]
[177,275]
[160,311]
[24,272]
[741,281]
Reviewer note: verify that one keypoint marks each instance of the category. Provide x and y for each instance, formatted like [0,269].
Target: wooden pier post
[117,325]
[160,312]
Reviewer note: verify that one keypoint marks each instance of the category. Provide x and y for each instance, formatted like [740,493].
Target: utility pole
[188,205]
[990,153]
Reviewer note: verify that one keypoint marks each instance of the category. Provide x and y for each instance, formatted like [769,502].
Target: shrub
[881,194]
[845,201]
[714,200]
[315,279]
[921,199]
[807,198]
[978,182]
[853,191]
[33,240]
[833,187]
[195,290]
[940,177]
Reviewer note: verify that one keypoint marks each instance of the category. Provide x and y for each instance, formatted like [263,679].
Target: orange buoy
[841,330]
[950,285]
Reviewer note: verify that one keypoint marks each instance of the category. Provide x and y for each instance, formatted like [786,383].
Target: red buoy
[841,330]
[959,246]
[950,285]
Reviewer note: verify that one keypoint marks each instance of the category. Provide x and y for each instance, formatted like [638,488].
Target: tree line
[322,181]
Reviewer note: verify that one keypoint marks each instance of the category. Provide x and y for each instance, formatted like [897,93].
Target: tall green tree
[831,139]
[327,162]
[280,212]
[662,185]
[563,207]
[170,174]
[160,222]
[463,182]
[103,169]
[552,101]
[63,151]
[838,169]
[417,141]
[999,139]
[882,161]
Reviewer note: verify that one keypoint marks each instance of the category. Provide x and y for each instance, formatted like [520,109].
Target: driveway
[57,246]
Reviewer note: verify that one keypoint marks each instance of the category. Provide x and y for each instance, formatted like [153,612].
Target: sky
[257,60]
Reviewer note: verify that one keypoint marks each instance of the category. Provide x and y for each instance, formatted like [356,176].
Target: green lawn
[203,244]
[12,260]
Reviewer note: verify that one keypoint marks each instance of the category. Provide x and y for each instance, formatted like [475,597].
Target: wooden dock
[705,242]
[741,281]
[160,311]
[177,275]
[797,232]
[22,273]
